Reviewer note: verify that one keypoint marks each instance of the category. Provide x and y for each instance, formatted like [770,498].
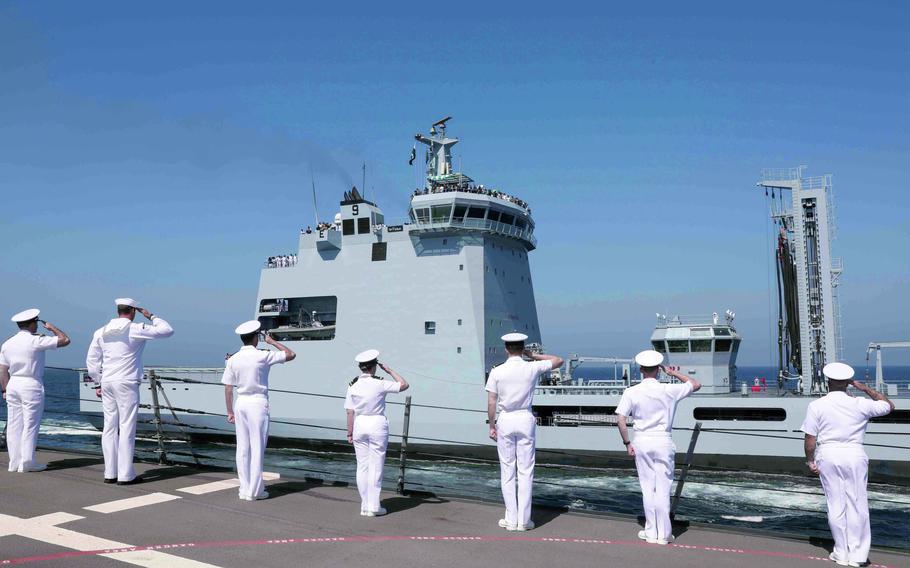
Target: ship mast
[809,314]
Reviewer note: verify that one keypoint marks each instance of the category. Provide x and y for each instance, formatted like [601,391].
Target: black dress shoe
[110,480]
[134,481]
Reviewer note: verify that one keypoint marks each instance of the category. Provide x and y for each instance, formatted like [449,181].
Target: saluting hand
[858,385]
[385,368]
[146,313]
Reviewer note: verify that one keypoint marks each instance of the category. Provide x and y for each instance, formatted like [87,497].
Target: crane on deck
[877,346]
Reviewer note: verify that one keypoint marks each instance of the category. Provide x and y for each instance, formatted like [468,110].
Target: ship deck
[183,516]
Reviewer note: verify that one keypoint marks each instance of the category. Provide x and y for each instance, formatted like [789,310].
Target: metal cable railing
[166,430]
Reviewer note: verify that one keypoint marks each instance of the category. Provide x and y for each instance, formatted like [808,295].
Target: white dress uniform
[366,397]
[23,354]
[248,370]
[838,421]
[652,405]
[514,382]
[115,361]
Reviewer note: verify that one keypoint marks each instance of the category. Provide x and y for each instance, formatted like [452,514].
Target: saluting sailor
[248,370]
[368,428]
[652,406]
[114,361]
[834,427]
[510,391]
[22,382]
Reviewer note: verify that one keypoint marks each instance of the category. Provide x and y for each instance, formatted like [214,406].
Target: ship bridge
[452,202]
[703,347]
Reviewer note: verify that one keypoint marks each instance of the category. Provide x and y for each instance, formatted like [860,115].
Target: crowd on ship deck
[282,261]
[478,189]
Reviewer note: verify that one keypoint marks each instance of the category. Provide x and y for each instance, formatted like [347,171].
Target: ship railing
[563,390]
[169,428]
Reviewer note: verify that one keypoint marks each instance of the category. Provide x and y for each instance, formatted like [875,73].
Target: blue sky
[163,151]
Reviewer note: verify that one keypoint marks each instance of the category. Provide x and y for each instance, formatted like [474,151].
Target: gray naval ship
[434,293]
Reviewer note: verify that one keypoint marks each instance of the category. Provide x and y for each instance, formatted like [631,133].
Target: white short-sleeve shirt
[652,404]
[248,370]
[115,353]
[23,353]
[367,395]
[838,417]
[514,382]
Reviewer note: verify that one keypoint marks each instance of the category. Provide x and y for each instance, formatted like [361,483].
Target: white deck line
[222,485]
[131,503]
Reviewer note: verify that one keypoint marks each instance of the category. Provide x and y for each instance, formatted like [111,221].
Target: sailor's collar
[514,358]
[650,379]
[247,347]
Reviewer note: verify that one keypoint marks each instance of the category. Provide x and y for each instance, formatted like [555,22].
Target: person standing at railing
[510,391]
[652,405]
[248,371]
[834,427]
[22,382]
[368,428]
[114,362]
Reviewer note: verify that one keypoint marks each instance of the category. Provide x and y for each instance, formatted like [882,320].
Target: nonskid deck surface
[185,517]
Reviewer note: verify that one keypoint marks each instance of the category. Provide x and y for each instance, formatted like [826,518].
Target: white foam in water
[744,519]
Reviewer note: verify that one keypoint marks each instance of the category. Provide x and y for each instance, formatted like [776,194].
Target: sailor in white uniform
[368,428]
[114,361]
[248,371]
[652,406]
[510,391]
[834,427]
[22,382]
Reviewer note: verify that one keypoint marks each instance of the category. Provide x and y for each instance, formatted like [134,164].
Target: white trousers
[120,400]
[844,470]
[24,407]
[654,460]
[251,419]
[371,438]
[515,441]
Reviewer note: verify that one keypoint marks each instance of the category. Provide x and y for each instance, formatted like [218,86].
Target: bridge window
[701,346]
[363,225]
[429,327]
[721,331]
[476,213]
[507,219]
[441,213]
[746,414]
[722,345]
[423,215]
[347,227]
[460,211]
[678,346]
[659,346]
[493,215]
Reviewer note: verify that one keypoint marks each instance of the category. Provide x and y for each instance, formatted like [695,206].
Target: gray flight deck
[44,522]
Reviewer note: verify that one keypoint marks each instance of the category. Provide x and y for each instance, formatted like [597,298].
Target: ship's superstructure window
[740,414]
[701,346]
[347,227]
[721,331]
[659,346]
[507,219]
[459,321]
[493,215]
[678,346]
[458,216]
[459,349]
[460,267]
[379,251]
[476,213]
[429,327]
[363,225]
[423,215]
[299,319]
[722,345]
[441,213]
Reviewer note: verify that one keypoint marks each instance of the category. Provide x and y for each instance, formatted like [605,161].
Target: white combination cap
[514,337]
[26,315]
[838,371]
[649,358]
[246,327]
[366,356]
[126,302]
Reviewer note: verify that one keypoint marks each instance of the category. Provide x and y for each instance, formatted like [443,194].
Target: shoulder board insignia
[354,380]
[377,378]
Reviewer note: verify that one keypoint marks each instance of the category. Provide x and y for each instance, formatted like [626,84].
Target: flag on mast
[413,155]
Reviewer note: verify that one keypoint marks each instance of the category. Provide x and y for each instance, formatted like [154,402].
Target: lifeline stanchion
[404,444]
[156,408]
[685,469]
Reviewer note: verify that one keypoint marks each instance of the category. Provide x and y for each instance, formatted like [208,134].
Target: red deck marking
[388,538]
